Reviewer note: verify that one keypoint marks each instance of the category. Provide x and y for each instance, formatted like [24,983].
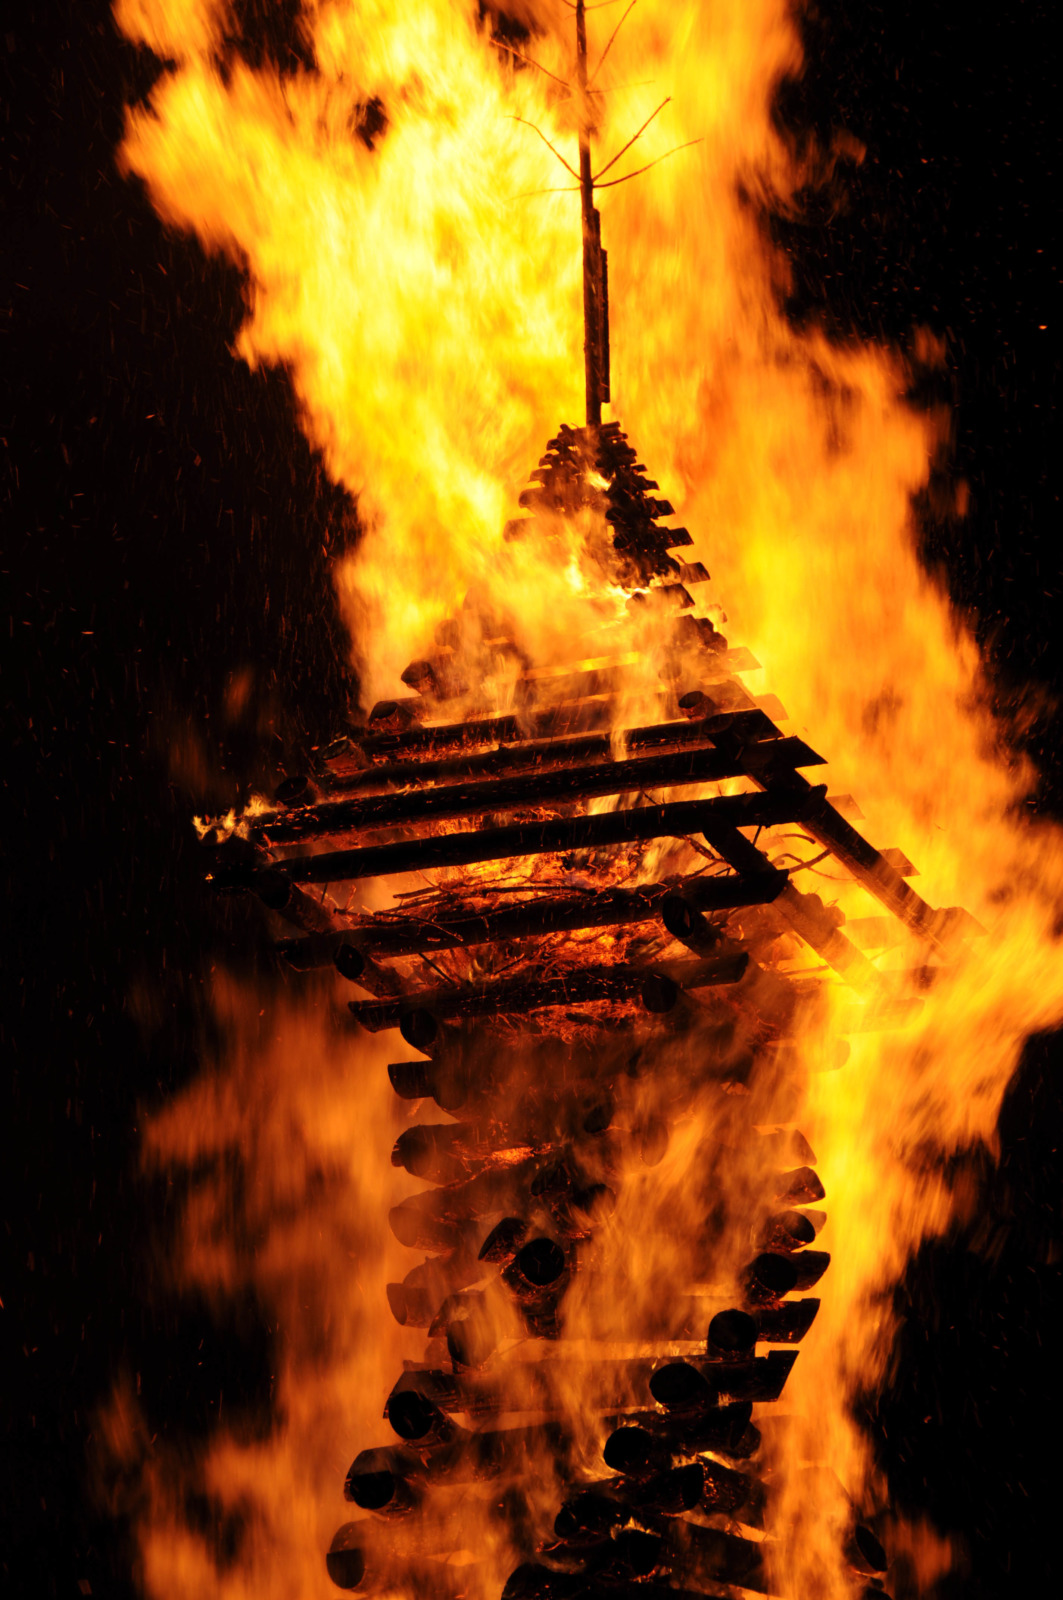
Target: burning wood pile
[619,1229]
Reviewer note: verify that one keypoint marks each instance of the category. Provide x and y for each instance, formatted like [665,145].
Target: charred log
[810,1265]
[398,936]
[787,1230]
[278,893]
[561,786]
[359,1562]
[767,1278]
[707,817]
[786,1323]
[800,1187]
[519,749]
[387,1481]
[657,990]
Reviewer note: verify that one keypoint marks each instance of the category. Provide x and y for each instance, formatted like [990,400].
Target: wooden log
[753,1378]
[799,1187]
[541,838]
[707,1419]
[756,1378]
[599,1507]
[418,1420]
[827,941]
[553,723]
[380,1478]
[724,1429]
[556,723]
[657,988]
[417,1224]
[766,1316]
[357,967]
[443,1079]
[557,787]
[687,923]
[532,918]
[865,1553]
[591,1514]
[786,1323]
[867,865]
[494,1189]
[532,1581]
[415,1301]
[810,1265]
[806,915]
[536,1180]
[732,1335]
[302,910]
[647,1460]
[709,1555]
[520,1386]
[359,1561]
[649,1481]
[538,1268]
[766,1279]
[519,750]
[440,1152]
[787,1230]
[386,1481]
[294,790]
[784,1147]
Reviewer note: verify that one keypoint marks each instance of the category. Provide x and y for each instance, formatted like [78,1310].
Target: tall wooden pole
[595,315]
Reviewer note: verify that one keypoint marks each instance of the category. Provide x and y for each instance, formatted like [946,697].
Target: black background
[166,527]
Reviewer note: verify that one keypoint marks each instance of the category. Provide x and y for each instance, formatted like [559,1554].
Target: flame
[423,295]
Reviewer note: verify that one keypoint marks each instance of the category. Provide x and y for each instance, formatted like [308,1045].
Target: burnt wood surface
[579,985]
[520,748]
[563,834]
[555,722]
[451,927]
[867,865]
[558,787]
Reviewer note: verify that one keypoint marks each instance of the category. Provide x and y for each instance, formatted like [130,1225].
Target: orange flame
[424,299]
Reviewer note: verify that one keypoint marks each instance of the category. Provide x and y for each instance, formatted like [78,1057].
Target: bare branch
[530,194]
[631,141]
[612,36]
[548,145]
[501,45]
[640,170]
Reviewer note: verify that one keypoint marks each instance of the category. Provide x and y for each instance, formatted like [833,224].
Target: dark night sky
[166,526]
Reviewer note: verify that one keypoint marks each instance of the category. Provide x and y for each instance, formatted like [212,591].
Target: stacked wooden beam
[577,984]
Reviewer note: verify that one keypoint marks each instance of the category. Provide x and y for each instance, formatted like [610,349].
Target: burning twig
[625,148]
[551,147]
[612,36]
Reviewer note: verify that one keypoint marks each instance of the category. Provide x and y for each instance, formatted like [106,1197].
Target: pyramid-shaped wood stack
[580,986]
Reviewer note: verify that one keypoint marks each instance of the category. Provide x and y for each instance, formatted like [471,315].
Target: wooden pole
[593,287]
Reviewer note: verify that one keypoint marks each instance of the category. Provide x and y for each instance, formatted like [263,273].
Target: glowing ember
[624,1158]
